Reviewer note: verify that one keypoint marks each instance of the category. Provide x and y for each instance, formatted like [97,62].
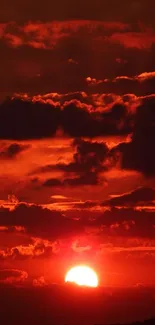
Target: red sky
[77,133]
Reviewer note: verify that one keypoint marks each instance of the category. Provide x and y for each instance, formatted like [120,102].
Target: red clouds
[58,56]
[53,225]
[12,276]
[41,119]
[45,35]
[139,40]
[39,221]
[138,197]
[76,141]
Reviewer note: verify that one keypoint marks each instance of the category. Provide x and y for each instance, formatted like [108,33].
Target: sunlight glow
[82,275]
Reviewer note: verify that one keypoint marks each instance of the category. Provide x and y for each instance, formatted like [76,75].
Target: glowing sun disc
[82,275]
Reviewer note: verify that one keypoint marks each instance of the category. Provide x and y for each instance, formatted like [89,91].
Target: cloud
[103,11]
[90,116]
[146,75]
[38,248]
[40,119]
[51,225]
[46,34]
[140,249]
[76,247]
[138,197]
[83,108]
[78,121]
[139,40]
[140,85]
[59,197]
[127,222]
[52,182]
[41,63]
[12,151]
[39,282]
[39,222]
[88,156]
[34,120]
[13,276]
[88,162]
[87,178]
[139,154]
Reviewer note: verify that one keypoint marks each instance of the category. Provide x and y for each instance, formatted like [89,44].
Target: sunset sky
[77,141]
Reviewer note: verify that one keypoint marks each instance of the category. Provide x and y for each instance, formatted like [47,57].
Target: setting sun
[82,275]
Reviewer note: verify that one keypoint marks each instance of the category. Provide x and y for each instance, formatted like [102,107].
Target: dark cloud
[117,120]
[140,196]
[36,249]
[131,11]
[78,121]
[139,85]
[89,156]
[87,162]
[86,205]
[12,276]
[25,120]
[39,221]
[52,182]
[81,74]
[127,222]
[37,55]
[52,225]
[44,35]
[139,154]
[12,150]
[39,282]
[88,178]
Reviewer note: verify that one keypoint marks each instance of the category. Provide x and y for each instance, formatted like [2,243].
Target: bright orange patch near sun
[82,275]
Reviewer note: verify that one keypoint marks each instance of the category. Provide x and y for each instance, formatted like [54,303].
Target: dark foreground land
[60,305]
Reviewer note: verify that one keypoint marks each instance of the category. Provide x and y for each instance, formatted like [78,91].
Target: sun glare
[82,275]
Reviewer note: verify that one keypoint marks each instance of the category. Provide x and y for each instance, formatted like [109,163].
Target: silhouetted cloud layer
[77,134]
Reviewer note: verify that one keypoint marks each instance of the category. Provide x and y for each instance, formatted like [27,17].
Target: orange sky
[77,157]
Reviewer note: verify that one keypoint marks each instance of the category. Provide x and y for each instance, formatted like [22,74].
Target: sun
[83,276]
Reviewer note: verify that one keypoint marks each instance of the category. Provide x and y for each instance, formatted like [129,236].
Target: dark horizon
[75,305]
